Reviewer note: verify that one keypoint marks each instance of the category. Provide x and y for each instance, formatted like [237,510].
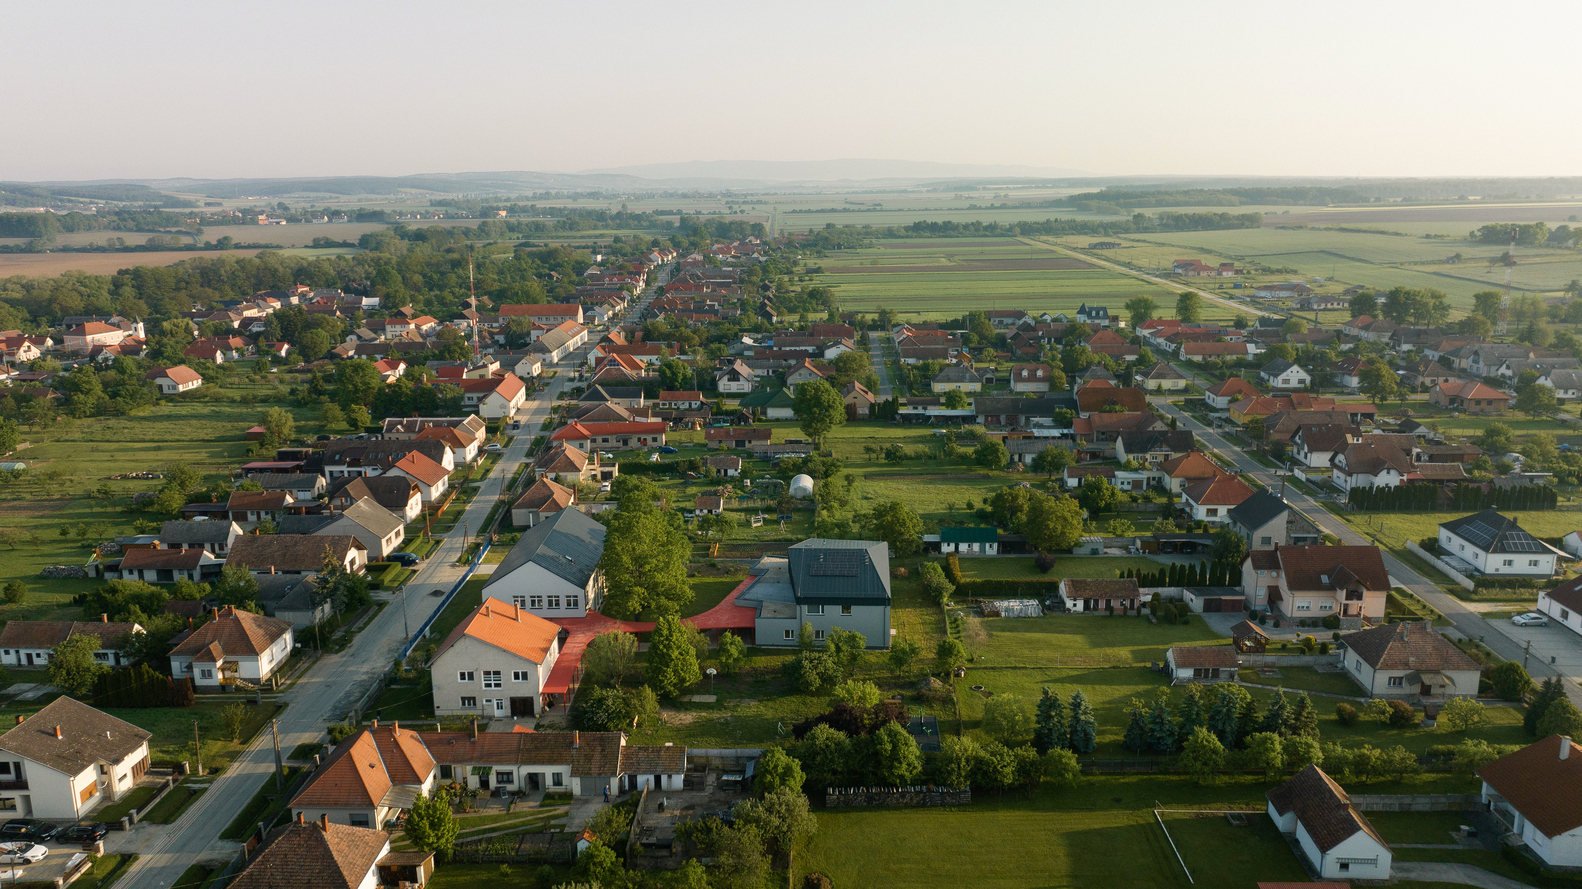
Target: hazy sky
[142,90]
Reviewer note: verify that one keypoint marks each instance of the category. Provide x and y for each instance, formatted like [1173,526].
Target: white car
[1530,619]
[22,853]
[494,447]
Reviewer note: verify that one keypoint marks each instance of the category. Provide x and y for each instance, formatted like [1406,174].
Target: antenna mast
[477,319]
[1505,298]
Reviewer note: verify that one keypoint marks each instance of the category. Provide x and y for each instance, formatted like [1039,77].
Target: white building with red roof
[495,663]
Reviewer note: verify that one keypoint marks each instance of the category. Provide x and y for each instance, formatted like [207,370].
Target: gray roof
[286,481]
[568,545]
[88,736]
[847,572]
[302,524]
[286,592]
[598,394]
[1162,370]
[1042,406]
[1278,366]
[389,491]
[198,532]
[372,516]
[1258,510]
[957,373]
[1494,533]
[1566,378]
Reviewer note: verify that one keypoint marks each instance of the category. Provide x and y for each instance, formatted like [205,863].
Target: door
[521,706]
[499,706]
[483,781]
[30,659]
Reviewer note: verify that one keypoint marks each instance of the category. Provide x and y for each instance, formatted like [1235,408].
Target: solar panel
[1477,534]
[838,563]
[1521,542]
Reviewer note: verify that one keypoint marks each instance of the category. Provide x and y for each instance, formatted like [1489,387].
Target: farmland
[43,265]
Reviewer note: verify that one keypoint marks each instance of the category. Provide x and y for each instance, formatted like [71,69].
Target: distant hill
[845,169]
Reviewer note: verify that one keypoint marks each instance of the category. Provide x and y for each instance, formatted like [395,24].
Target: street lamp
[711,671]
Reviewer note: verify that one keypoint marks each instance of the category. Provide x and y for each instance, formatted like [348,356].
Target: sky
[101,90]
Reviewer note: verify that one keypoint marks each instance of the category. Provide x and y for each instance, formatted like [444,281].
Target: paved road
[876,353]
[337,682]
[1167,283]
[1438,872]
[1498,635]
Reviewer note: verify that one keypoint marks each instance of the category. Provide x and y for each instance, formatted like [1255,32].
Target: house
[1266,521]
[1222,395]
[707,504]
[736,437]
[297,553]
[378,529]
[174,380]
[1153,449]
[689,400]
[1317,581]
[541,500]
[736,378]
[826,584]
[1030,377]
[1563,604]
[1409,658]
[463,448]
[1315,445]
[366,779]
[568,464]
[300,485]
[1372,461]
[1320,303]
[292,598]
[1566,382]
[1081,595]
[235,648]
[1211,499]
[1493,544]
[625,396]
[397,493]
[494,398]
[1159,376]
[1188,469]
[93,333]
[319,854]
[1116,346]
[28,643]
[1348,372]
[969,541]
[165,565]
[1093,316]
[1018,411]
[725,465]
[770,404]
[500,655]
[1192,351]
[1095,398]
[409,428]
[589,437]
[66,759]
[430,476]
[1536,793]
[805,371]
[956,378]
[252,507]
[1335,837]
[1202,663]
[1248,409]
[553,570]
[213,537]
[859,400]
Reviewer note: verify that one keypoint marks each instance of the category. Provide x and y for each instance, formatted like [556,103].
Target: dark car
[407,559]
[667,449]
[26,829]
[83,832]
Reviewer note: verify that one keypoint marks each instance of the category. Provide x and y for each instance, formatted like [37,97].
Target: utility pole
[1526,653]
[197,747]
[280,766]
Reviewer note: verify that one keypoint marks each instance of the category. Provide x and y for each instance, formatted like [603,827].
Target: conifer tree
[1052,731]
[1277,719]
[1084,729]
[1135,738]
[1191,712]
[1304,718]
[1162,725]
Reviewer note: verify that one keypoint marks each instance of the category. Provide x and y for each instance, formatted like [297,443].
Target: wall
[1416,802]
[911,797]
[1291,660]
[1450,572]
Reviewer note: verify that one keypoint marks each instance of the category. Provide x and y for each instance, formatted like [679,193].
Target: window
[1261,591]
[818,635]
[206,674]
[815,609]
[505,777]
[573,602]
[491,679]
[519,601]
[554,602]
[445,771]
[1532,563]
[105,655]
[1326,606]
[1304,605]
[788,634]
[359,820]
[466,676]
[1565,614]
[1265,541]
[1260,573]
[7,805]
[1211,511]
[1461,547]
[521,676]
[557,780]
[1508,562]
[469,703]
[1396,682]
[535,601]
[845,609]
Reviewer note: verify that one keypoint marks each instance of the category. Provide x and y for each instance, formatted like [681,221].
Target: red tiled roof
[421,468]
[508,628]
[1223,490]
[1546,789]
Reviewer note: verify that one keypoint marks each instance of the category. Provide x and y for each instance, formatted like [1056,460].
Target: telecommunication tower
[1505,298]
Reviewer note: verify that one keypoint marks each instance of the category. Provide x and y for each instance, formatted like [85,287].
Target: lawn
[1219,853]
[133,801]
[471,876]
[172,728]
[1306,679]
[174,803]
[1418,827]
[1014,568]
[105,871]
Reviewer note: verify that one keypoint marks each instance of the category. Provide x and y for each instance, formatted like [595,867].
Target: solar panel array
[1477,534]
[839,563]
[1480,535]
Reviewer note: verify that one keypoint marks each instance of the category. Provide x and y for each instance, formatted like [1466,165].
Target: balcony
[14,784]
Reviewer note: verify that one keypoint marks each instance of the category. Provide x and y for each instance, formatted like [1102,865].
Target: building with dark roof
[28,643]
[1266,521]
[68,758]
[1317,581]
[1409,659]
[215,538]
[1335,837]
[827,584]
[969,540]
[1495,545]
[1563,604]
[1537,793]
[553,570]
[297,553]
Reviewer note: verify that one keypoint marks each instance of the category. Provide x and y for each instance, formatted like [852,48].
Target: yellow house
[957,378]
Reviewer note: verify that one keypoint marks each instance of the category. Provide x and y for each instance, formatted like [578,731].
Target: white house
[1563,604]
[1409,659]
[28,643]
[235,648]
[495,663]
[1282,374]
[1370,462]
[975,541]
[165,565]
[1336,838]
[66,759]
[1315,445]
[1306,581]
[432,479]
[367,778]
[553,570]
[174,380]
[1211,499]
[379,529]
[494,398]
[1202,663]
[1083,595]
[1567,383]
[1494,544]
[215,537]
[1537,792]
[736,378]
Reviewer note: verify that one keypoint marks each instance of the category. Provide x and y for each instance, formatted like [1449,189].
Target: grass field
[172,726]
[43,265]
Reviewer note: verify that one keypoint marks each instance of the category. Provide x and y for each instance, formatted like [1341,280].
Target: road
[336,682]
[1167,283]
[1505,640]
[880,367]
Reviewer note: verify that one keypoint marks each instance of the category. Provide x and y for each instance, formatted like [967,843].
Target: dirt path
[1173,286]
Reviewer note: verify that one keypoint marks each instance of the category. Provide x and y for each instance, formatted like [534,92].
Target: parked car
[494,447]
[604,487]
[22,853]
[667,449]
[85,831]
[27,829]
[410,560]
[1530,619]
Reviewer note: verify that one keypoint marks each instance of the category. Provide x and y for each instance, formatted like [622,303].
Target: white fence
[1439,563]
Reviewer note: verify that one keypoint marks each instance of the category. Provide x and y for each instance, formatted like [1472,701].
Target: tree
[1304,718]
[818,408]
[1140,310]
[1052,523]
[1051,460]
[1266,751]
[237,586]
[1496,439]
[1293,326]
[645,558]
[1560,718]
[1461,713]
[896,524]
[598,864]
[1051,730]
[1202,756]
[955,400]
[675,376]
[1189,307]
[72,666]
[235,719]
[10,436]
[430,824]
[948,655]
[1379,383]
[782,817]
[859,693]
[903,653]
[1548,692]
[279,424]
[958,759]
[1005,719]
[1061,768]
[777,769]
[938,587]
[731,653]
[609,657]
[1473,754]
[1162,730]
[1400,762]
[1510,681]
[16,592]
[897,758]
[357,381]
[1537,400]
[672,661]
[1135,738]
[1364,303]
[1008,506]
[991,454]
[1084,731]
[331,416]
[1229,548]
[1096,494]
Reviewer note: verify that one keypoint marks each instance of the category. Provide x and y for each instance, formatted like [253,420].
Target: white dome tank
[802,486]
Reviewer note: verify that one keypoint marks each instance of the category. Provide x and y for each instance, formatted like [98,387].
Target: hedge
[1002,588]
[386,575]
[1538,872]
[1508,583]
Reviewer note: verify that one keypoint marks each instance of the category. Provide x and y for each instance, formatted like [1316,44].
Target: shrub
[1045,563]
[1332,622]
[815,880]
[1334,637]
[1323,648]
[1430,545]
[1346,713]
[1402,714]
[953,569]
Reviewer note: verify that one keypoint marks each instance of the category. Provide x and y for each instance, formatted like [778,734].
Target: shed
[970,541]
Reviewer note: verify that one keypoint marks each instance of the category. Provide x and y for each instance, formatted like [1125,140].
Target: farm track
[1170,285]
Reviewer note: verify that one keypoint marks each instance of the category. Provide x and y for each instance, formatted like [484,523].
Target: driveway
[1466,874]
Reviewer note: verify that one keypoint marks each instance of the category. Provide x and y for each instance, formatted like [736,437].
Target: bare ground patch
[49,264]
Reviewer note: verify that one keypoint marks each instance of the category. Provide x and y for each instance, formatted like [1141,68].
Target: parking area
[1553,646]
[60,861]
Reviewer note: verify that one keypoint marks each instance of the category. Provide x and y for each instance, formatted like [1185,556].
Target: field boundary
[1171,840]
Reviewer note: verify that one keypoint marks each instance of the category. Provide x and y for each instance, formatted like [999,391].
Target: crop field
[42,265]
[1468,216]
[943,278]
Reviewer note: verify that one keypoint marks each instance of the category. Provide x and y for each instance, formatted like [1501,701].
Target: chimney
[104,618]
[376,722]
[1565,747]
[576,739]
[302,818]
[57,731]
[486,609]
[395,728]
[20,718]
[215,614]
[324,822]
[475,729]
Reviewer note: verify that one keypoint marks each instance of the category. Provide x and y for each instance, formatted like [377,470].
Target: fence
[914,797]
[477,559]
[1290,660]
[556,846]
[1416,802]
[1439,563]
